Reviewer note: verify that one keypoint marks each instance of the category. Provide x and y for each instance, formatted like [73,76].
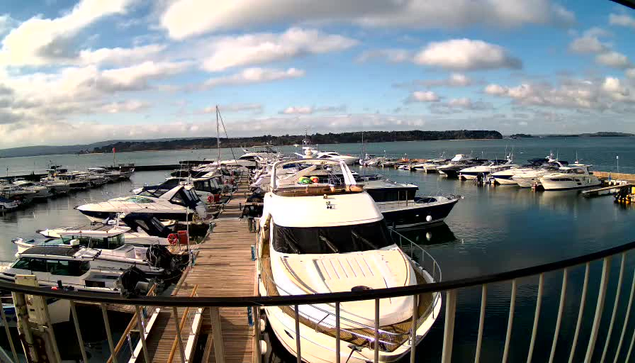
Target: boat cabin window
[138,199]
[54,267]
[341,239]
[104,243]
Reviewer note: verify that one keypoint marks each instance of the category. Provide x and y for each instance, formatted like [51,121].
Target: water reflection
[437,234]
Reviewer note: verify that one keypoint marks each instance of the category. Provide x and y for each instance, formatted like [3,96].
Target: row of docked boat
[548,173]
[58,181]
[129,241]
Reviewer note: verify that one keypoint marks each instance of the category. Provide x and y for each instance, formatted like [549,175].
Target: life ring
[210,199]
[172,238]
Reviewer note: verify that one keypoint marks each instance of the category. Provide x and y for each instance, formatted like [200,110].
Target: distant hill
[329,138]
[589,134]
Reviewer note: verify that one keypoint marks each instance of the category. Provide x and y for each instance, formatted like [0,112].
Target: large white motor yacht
[325,237]
[573,176]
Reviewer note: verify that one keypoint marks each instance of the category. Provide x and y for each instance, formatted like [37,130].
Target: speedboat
[180,203]
[319,237]
[573,176]
[334,155]
[528,178]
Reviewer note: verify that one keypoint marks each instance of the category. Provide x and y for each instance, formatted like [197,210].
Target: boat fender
[210,199]
[429,218]
[172,238]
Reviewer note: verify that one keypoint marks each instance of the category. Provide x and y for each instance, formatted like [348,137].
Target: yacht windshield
[341,239]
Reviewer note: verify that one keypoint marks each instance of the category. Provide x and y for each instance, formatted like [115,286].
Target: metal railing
[614,342]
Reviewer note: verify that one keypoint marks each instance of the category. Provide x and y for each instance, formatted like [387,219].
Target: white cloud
[309,110]
[187,18]
[6,23]
[496,90]
[255,108]
[622,20]
[423,96]
[120,56]
[598,95]
[455,105]
[466,54]
[630,73]
[39,41]
[588,44]
[125,106]
[254,75]
[455,80]
[137,77]
[298,110]
[251,49]
[613,59]
[392,55]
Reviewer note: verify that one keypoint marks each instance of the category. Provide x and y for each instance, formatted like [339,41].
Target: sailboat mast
[217,135]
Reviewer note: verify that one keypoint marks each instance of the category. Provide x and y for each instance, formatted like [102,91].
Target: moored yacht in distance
[323,237]
[573,176]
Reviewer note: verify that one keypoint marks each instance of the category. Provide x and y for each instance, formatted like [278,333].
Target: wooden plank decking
[223,268]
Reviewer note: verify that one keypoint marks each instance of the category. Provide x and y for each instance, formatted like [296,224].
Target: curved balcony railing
[616,327]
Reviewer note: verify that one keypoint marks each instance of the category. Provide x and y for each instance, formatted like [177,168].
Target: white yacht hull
[317,347]
[504,181]
[575,183]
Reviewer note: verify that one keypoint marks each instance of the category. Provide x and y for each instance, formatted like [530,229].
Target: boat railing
[604,336]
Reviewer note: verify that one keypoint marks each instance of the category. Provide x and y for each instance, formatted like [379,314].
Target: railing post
[534,330]
[257,335]
[615,305]
[481,324]
[8,333]
[142,335]
[413,333]
[448,330]
[78,331]
[563,294]
[175,314]
[376,357]
[510,320]
[606,269]
[628,314]
[298,345]
[585,287]
[337,332]
[104,314]
[217,334]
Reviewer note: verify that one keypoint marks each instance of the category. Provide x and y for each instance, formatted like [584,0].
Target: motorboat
[337,241]
[40,191]
[430,166]
[530,177]
[403,209]
[180,203]
[132,229]
[89,269]
[334,155]
[573,176]
[7,205]
[493,166]
[204,187]
[458,163]
[16,193]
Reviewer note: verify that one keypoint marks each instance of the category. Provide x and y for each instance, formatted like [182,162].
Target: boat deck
[223,268]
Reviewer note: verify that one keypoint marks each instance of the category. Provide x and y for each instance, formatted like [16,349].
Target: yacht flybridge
[323,235]
[180,203]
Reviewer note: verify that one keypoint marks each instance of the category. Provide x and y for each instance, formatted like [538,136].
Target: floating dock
[223,268]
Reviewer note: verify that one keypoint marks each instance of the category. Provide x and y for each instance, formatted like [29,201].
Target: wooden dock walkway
[223,268]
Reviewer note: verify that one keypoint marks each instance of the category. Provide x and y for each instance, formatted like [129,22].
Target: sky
[75,72]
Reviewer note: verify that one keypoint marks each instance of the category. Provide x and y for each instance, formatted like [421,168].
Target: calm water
[493,229]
